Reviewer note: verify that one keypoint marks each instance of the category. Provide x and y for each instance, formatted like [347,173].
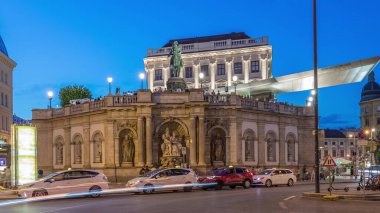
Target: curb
[373,197]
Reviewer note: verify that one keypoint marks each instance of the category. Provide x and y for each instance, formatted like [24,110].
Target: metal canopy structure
[346,73]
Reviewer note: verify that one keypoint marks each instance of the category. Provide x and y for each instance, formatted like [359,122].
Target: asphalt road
[259,199]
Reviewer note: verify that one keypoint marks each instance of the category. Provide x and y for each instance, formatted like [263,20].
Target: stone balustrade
[192,96]
[212,45]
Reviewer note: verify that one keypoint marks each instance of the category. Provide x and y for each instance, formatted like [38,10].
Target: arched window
[58,150]
[271,147]
[77,143]
[249,145]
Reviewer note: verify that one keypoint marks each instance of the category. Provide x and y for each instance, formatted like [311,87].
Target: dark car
[231,176]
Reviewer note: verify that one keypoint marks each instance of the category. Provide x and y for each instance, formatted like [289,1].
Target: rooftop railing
[212,45]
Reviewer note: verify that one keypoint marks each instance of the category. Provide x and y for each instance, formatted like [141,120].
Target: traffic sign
[329,162]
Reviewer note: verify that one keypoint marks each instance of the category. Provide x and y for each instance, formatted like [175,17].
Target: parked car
[69,181]
[172,179]
[231,176]
[275,177]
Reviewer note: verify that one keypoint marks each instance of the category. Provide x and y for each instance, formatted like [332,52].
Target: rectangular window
[334,143]
[342,153]
[171,73]
[366,122]
[221,69]
[204,69]
[326,143]
[158,74]
[2,76]
[378,121]
[238,68]
[334,153]
[341,143]
[2,99]
[6,78]
[188,72]
[255,66]
[6,100]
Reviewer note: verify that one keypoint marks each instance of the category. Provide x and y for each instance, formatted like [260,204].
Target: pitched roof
[232,36]
[331,133]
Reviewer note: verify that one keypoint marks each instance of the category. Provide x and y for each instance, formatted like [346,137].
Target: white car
[64,182]
[164,179]
[275,177]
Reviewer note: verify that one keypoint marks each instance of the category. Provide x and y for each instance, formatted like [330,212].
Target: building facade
[218,57]
[121,134]
[6,101]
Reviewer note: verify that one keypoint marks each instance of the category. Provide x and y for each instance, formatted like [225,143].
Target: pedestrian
[40,173]
[142,171]
[7,177]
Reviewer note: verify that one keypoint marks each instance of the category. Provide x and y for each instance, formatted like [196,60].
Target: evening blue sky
[58,43]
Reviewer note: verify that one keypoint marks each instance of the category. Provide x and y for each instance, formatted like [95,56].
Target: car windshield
[152,173]
[50,175]
[266,172]
[219,172]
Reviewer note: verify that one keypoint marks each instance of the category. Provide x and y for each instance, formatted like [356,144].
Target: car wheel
[246,184]
[188,188]
[94,190]
[219,186]
[39,193]
[290,182]
[232,186]
[204,188]
[148,189]
[268,183]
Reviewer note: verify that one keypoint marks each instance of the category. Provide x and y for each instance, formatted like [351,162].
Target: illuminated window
[204,69]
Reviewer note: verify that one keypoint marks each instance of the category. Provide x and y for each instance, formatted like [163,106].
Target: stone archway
[217,146]
[170,138]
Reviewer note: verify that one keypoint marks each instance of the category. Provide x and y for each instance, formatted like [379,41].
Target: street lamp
[50,95]
[142,76]
[109,79]
[201,76]
[234,79]
[355,155]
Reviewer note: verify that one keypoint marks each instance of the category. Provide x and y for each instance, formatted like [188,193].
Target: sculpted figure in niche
[77,151]
[176,145]
[97,149]
[248,148]
[218,147]
[128,149]
[166,146]
[270,149]
[59,153]
[291,150]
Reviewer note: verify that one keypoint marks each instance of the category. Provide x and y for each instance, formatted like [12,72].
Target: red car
[231,176]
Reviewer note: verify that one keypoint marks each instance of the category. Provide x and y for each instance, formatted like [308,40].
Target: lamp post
[50,95]
[355,164]
[142,77]
[109,80]
[201,76]
[234,79]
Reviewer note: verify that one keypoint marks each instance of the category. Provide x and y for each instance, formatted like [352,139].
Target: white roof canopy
[346,73]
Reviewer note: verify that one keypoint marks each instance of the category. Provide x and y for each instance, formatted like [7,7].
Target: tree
[68,93]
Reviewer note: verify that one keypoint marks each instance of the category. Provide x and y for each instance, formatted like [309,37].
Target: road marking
[70,207]
[291,197]
[282,205]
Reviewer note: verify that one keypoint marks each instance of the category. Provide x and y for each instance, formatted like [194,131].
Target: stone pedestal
[175,83]
[170,161]
[218,163]
[127,164]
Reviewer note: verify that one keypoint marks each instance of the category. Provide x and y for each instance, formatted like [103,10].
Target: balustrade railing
[58,112]
[212,45]
[217,99]
[76,108]
[96,105]
[124,100]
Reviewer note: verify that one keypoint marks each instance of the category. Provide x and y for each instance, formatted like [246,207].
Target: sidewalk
[8,195]
[338,179]
[350,195]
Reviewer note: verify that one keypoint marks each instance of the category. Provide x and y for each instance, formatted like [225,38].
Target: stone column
[111,151]
[263,66]
[233,142]
[166,74]
[196,75]
[67,138]
[246,70]
[202,142]
[86,147]
[140,150]
[212,73]
[149,147]
[150,75]
[261,144]
[229,71]
[181,72]
[193,142]
[282,147]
